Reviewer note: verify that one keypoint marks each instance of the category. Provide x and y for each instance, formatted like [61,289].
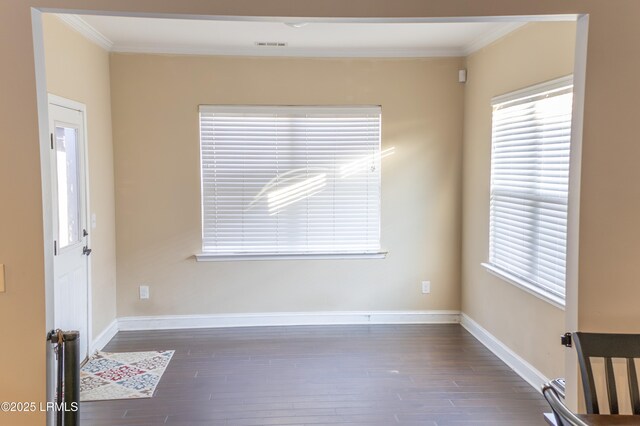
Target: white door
[70,264]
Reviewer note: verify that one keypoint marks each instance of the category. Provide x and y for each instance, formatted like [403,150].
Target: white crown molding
[95,36]
[525,370]
[168,322]
[104,337]
[90,33]
[290,52]
[490,37]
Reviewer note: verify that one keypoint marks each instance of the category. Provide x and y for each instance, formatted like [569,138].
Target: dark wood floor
[314,375]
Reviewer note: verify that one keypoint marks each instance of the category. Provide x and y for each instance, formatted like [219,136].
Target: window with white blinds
[290,180]
[531,138]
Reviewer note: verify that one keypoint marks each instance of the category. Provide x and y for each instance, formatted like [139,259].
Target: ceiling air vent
[271,44]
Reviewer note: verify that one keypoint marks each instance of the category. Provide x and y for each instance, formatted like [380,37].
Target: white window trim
[534,90]
[534,290]
[209,257]
[378,253]
[293,109]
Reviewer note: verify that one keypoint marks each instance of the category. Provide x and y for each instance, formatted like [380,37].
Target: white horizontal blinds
[531,138]
[290,179]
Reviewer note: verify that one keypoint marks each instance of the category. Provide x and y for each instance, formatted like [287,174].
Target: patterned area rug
[111,375]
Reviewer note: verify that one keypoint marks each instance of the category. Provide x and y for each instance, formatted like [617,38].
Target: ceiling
[319,39]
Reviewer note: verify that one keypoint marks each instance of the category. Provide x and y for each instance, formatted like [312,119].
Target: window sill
[209,257]
[548,297]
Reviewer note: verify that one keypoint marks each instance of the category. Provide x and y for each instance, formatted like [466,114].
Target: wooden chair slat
[612,393]
[633,386]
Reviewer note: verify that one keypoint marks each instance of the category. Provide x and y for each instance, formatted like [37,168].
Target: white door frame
[571,311]
[78,106]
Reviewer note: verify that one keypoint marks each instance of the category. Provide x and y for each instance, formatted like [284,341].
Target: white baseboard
[104,337]
[525,370]
[166,322]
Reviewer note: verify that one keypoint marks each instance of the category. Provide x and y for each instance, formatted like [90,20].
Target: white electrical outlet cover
[144,292]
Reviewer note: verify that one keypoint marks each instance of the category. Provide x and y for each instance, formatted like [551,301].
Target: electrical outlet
[144,292]
[426,287]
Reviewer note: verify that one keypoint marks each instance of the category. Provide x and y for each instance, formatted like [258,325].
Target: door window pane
[68,186]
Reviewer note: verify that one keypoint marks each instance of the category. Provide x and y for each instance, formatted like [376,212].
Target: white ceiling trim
[89,32]
[491,37]
[294,52]
[92,34]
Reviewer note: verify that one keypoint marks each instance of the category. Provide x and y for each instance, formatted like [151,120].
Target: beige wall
[79,70]
[156,136]
[532,54]
[22,305]
[609,248]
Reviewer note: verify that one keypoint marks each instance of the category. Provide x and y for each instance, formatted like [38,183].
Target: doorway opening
[271,45]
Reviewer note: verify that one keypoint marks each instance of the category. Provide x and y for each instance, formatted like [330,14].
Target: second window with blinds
[290,181]
[531,141]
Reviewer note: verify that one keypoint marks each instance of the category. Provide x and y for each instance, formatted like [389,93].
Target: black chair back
[608,347]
